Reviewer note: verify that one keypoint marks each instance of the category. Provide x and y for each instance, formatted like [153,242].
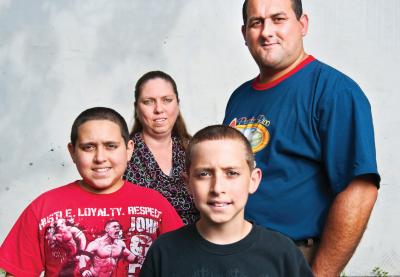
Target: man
[68,237]
[105,252]
[311,130]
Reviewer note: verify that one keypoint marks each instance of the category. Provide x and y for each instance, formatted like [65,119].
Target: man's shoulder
[240,92]
[243,87]
[331,74]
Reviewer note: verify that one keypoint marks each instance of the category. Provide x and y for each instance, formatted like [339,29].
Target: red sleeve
[20,253]
[170,218]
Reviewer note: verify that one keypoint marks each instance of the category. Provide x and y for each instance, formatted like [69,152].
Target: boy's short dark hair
[219,132]
[99,113]
[296,6]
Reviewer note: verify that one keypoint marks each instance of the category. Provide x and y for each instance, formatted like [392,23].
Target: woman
[160,138]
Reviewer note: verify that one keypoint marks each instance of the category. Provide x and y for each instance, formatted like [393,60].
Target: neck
[161,148]
[111,189]
[268,74]
[157,141]
[223,233]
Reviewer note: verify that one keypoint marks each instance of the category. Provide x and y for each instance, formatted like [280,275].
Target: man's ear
[304,24]
[129,149]
[255,179]
[71,150]
[244,33]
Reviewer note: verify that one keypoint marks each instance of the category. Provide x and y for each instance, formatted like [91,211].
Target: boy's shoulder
[59,192]
[181,236]
[258,234]
[129,192]
[273,237]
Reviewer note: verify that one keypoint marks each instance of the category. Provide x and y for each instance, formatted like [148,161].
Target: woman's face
[157,107]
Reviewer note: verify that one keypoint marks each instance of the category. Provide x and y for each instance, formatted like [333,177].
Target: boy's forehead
[99,128]
[229,152]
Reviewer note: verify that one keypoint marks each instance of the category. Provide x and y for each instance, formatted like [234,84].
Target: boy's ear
[255,179]
[185,177]
[129,149]
[71,150]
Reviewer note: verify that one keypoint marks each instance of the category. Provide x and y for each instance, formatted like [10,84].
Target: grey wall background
[60,57]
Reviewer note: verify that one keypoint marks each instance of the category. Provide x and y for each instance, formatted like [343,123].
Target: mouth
[101,170]
[160,119]
[269,44]
[219,204]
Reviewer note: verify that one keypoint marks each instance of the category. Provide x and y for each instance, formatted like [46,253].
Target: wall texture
[60,57]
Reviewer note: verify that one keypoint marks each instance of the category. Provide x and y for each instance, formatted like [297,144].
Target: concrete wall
[60,57]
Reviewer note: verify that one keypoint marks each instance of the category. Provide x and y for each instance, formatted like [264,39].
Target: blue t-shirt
[312,133]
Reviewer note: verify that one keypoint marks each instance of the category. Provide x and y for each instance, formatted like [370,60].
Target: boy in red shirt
[100,225]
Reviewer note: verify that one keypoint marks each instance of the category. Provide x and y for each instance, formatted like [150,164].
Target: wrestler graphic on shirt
[139,244]
[66,242]
[62,234]
[102,254]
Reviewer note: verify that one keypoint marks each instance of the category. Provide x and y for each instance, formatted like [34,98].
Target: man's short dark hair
[99,113]
[296,6]
[219,132]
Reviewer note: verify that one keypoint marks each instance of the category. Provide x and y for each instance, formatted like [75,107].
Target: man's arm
[80,237]
[345,225]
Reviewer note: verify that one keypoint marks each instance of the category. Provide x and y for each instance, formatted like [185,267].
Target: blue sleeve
[347,134]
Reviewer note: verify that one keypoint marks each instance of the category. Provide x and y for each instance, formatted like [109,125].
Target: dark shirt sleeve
[149,267]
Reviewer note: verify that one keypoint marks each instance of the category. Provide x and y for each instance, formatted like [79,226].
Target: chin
[99,186]
[218,220]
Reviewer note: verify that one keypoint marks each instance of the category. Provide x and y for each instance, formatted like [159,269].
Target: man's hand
[345,225]
[87,273]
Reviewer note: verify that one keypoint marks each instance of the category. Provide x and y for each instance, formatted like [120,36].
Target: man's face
[113,230]
[220,181]
[273,34]
[100,155]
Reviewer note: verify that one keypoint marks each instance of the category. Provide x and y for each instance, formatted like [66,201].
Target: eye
[112,146]
[278,19]
[168,99]
[203,174]
[87,147]
[148,101]
[232,173]
[255,22]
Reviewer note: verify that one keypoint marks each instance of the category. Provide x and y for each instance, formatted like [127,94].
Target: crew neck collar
[226,249]
[263,86]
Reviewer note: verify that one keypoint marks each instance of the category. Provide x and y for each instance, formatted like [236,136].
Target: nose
[267,29]
[99,156]
[218,184]
[158,107]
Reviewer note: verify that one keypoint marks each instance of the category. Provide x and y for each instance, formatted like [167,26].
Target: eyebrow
[278,14]
[272,15]
[95,143]
[211,168]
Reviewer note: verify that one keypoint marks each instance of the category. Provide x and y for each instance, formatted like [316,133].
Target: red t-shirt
[68,230]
